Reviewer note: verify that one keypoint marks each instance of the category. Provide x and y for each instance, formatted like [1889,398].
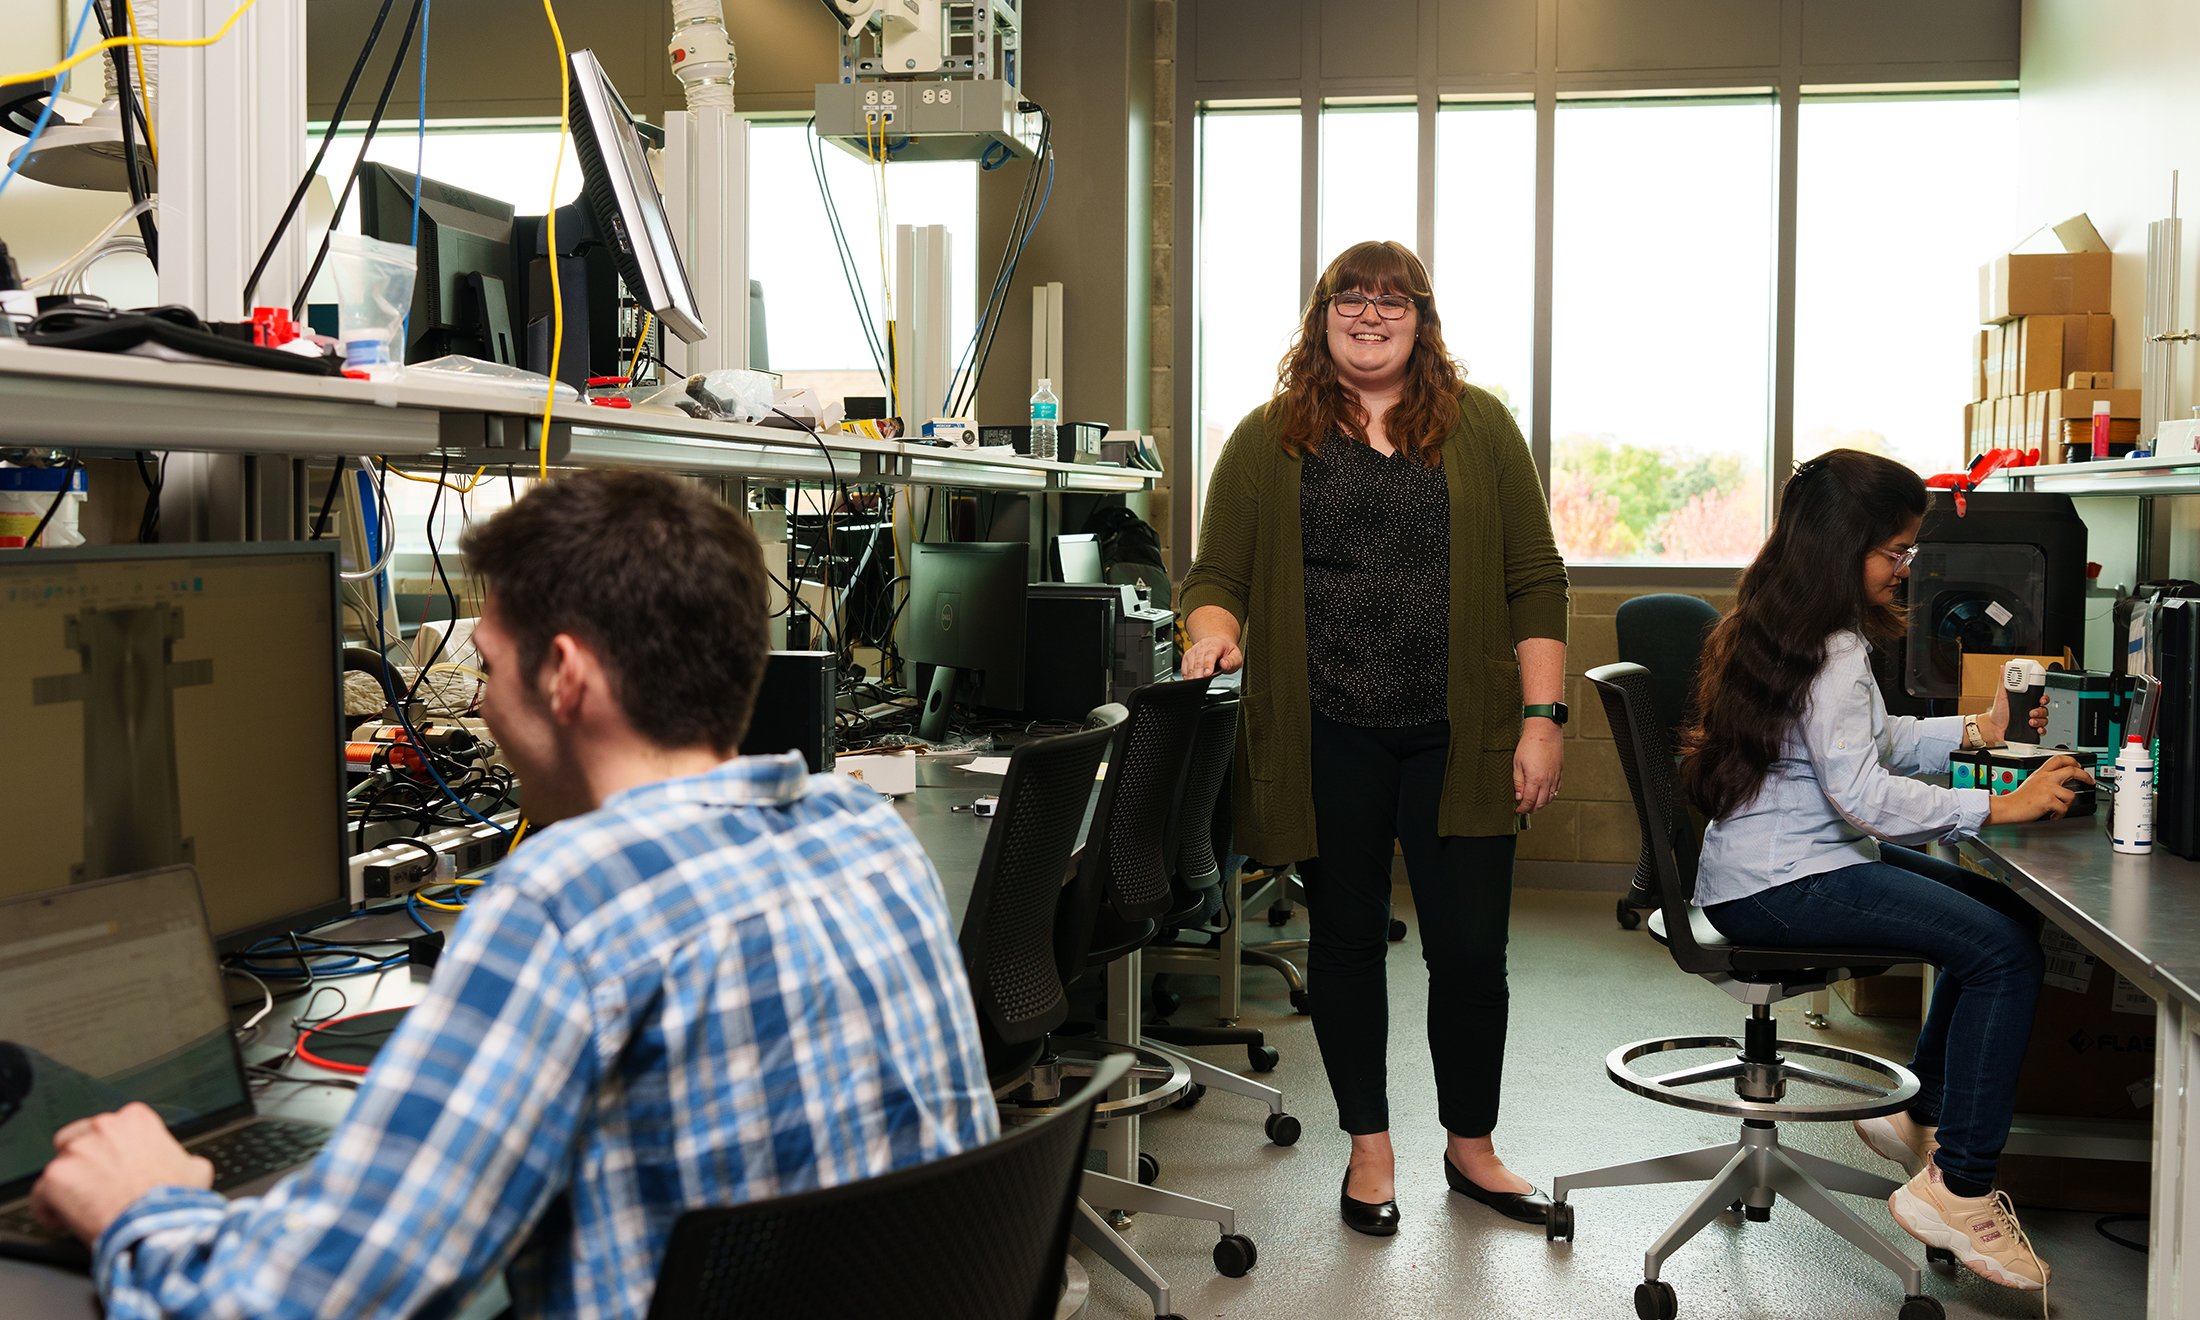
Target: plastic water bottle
[2131,828]
[1046,414]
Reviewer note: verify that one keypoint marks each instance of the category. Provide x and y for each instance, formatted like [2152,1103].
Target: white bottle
[2131,829]
[1046,413]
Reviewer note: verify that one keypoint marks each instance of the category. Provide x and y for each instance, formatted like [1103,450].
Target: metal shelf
[58,398]
[2169,474]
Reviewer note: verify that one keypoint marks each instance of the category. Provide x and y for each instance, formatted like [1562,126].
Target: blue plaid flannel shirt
[712,990]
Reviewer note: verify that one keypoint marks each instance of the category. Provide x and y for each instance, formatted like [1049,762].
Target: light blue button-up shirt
[711,990]
[1839,787]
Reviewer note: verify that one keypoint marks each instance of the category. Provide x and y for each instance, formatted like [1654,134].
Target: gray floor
[1580,986]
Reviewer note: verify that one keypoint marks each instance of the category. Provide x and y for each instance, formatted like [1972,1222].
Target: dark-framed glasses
[1389,306]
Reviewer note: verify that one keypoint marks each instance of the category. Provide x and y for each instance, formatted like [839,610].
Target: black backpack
[1130,551]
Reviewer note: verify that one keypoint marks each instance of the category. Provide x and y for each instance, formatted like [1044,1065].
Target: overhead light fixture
[83,155]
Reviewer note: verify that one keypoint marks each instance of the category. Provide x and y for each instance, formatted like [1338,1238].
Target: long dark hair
[1312,402]
[1804,586]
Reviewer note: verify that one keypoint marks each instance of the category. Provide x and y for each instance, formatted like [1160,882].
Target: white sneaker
[1899,1138]
[1982,1231]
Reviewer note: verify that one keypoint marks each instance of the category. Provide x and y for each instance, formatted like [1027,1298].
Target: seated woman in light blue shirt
[1801,771]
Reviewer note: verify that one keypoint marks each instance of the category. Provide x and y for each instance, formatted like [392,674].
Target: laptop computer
[109,993]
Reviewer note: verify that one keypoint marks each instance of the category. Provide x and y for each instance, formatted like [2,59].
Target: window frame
[1311,92]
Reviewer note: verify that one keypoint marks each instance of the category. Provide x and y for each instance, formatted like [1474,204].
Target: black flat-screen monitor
[469,293]
[622,193]
[965,617]
[177,705]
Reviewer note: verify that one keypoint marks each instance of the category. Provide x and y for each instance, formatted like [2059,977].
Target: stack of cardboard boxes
[2045,357]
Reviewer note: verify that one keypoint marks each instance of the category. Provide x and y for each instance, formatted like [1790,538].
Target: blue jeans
[1985,943]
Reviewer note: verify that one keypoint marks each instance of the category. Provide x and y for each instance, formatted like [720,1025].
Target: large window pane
[1662,334]
[1899,200]
[1248,295]
[1370,159]
[1484,262]
[811,323]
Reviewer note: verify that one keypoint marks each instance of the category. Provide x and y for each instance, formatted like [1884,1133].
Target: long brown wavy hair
[1311,403]
[1804,586]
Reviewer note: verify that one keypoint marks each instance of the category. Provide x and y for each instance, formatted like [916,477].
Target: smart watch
[1554,711]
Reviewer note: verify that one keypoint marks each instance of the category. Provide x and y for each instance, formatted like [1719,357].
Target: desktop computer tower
[1064,664]
[795,708]
[2177,727]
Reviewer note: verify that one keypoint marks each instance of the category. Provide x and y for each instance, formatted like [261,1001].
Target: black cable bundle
[1019,234]
[133,114]
[374,124]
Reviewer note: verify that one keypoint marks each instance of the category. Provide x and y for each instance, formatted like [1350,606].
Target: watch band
[1554,711]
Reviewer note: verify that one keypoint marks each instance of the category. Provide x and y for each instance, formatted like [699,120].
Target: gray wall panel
[1369,38]
[1246,41]
[1597,36]
[1854,32]
[1487,38]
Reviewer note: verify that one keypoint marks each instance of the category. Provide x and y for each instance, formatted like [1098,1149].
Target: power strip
[394,870]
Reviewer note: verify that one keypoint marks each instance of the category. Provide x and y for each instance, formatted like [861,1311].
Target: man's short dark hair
[663,581]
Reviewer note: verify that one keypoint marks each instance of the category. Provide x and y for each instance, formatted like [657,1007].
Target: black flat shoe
[1529,1207]
[1374,1218]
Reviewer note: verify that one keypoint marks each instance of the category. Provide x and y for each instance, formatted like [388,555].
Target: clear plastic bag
[480,371]
[374,287]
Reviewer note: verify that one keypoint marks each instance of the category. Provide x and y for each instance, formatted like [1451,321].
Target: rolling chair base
[1234,1254]
[1752,1172]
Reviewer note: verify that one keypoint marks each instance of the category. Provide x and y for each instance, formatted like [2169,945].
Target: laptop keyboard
[260,1148]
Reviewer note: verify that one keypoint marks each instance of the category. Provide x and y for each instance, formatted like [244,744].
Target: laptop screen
[109,993]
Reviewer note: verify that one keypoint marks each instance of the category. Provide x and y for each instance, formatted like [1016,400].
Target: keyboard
[257,1150]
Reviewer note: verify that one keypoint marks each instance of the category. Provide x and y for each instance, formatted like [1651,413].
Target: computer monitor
[1080,554]
[965,617]
[468,290]
[622,194]
[173,705]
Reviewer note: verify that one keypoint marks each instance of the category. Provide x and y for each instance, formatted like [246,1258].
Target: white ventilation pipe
[702,54]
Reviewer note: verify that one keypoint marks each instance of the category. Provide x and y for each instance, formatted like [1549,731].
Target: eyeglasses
[1389,306]
[1902,558]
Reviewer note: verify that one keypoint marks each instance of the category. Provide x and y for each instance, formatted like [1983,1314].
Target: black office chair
[1664,633]
[981,1235]
[1106,912]
[1748,1173]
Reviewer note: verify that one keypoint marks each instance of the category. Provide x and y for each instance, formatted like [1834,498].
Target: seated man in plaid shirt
[703,981]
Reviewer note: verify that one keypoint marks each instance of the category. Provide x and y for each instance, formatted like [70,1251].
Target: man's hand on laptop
[103,1164]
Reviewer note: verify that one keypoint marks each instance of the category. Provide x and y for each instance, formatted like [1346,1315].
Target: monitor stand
[939,703]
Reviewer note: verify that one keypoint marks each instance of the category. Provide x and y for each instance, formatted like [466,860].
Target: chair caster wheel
[1299,1004]
[1235,1256]
[1655,1301]
[1193,1094]
[1397,930]
[1921,1308]
[1733,1207]
[1283,1129]
[1757,1214]
[1164,1003]
[1940,1258]
[1149,1169]
[1558,1226]
[1628,918]
[1279,914]
[1264,1058]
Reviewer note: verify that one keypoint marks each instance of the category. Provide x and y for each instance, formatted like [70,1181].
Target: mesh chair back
[1138,804]
[980,1236]
[1670,836]
[1198,866]
[1008,929]
[1664,633]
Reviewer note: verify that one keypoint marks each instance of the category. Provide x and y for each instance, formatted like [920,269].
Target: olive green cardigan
[1507,584]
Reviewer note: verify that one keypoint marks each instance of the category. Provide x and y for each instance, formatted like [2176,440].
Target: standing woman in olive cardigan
[1376,554]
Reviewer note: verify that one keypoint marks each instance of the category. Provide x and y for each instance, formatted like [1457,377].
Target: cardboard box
[2090,380]
[891,774]
[1993,340]
[2050,348]
[1896,994]
[1982,678]
[2043,283]
[2077,405]
[2092,1047]
[2076,433]
[2035,421]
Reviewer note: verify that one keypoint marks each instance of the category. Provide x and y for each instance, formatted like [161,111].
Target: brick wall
[1593,820]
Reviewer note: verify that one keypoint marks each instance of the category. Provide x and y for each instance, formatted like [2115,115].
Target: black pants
[1374,788]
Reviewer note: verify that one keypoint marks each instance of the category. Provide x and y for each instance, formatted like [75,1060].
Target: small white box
[891,774]
[2178,436]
